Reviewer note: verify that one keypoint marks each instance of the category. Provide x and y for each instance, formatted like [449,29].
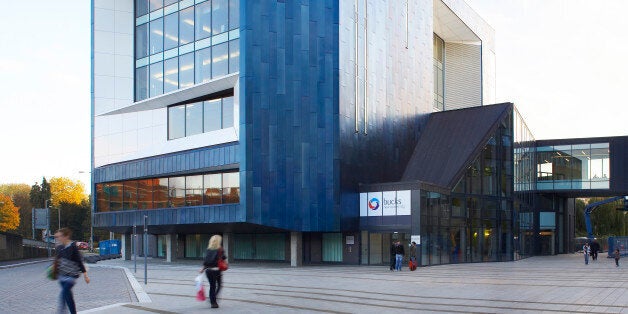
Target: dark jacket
[69,260]
[399,249]
[413,251]
[212,256]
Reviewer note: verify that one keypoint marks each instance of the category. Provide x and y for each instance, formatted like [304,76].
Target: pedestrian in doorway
[413,259]
[616,255]
[399,253]
[595,247]
[586,249]
[69,267]
[393,251]
[210,266]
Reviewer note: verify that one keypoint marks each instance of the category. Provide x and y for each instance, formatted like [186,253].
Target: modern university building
[319,131]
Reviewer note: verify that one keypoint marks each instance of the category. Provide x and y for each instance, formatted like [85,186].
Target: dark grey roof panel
[450,141]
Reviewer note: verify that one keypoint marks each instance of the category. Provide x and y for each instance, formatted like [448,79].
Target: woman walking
[69,266]
[210,266]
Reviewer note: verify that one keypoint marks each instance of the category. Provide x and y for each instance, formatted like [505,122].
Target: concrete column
[125,248]
[227,238]
[170,241]
[296,249]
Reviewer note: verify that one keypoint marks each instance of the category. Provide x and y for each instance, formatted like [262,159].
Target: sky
[564,63]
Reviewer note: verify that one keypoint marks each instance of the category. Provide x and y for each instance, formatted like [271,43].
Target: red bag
[200,294]
[412,265]
[221,263]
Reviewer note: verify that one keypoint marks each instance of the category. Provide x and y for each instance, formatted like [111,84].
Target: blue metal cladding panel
[187,161]
[289,114]
[228,213]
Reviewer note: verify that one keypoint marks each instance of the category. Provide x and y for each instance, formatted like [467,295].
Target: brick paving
[25,289]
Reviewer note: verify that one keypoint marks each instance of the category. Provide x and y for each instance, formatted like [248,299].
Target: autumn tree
[65,190]
[9,214]
[20,194]
[40,194]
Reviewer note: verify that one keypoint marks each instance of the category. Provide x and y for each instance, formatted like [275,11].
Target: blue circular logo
[374,204]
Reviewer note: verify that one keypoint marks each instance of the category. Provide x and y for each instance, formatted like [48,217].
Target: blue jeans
[398,260]
[66,297]
[586,258]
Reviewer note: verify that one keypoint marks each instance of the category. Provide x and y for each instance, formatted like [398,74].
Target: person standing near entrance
[595,247]
[399,253]
[393,251]
[586,249]
[413,255]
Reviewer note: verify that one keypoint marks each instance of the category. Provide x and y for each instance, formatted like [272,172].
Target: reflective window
[141,41]
[213,188]
[203,20]
[156,82]
[156,43]
[156,4]
[176,122]
[227,112]
[176,191]
[220,65]
[193,119]
[171,74]
[580,166]
[145,194]
[171,31]
[186,70]
[231,187]
[130,195]
[188,32]
[141,7]
[439,73]
[220,16]
[186,26]
[158,193]
[234,56]
[234,14]
[141,83]
[194,190]
[203,65]
[212,115]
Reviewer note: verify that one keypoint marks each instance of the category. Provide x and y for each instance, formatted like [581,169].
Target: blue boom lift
[591,207]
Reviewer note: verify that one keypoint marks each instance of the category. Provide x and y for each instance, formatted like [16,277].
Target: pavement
[551,284]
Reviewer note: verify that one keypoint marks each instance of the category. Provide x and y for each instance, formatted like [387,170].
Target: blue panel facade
[191,161]
[289,114]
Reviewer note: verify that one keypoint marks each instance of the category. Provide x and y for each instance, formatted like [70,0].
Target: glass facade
[182,43]
[268,246]
[573,167]
[200,117]
[155,193]
[439,73]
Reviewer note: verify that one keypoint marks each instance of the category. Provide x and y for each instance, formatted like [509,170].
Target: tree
[19,193]
[9,214]
[65,190]
[40,194]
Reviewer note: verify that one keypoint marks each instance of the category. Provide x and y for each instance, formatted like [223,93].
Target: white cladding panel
[463,75]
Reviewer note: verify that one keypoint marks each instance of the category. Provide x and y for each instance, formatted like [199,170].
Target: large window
[200,117]
[205,32]
[193,190]
[439,73]
[577,167]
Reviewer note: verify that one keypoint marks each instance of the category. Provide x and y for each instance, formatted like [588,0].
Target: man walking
[399,253]
[586,249]
[595,247]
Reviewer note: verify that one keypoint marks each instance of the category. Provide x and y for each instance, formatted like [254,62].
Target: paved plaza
[539,284]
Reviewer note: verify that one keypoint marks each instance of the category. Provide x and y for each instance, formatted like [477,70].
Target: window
[186,26]
[213,113]
[171,74]
[220,65]
[220,16]
[171,31]
[193,119]
[227,112]
[186,70]
[157,193]
[203,20]
[176,122]
[203,65]
[439,73]
[205,32]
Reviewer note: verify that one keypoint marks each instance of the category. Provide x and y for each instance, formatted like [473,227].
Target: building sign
[40,218]
[387,203]
[350,240]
